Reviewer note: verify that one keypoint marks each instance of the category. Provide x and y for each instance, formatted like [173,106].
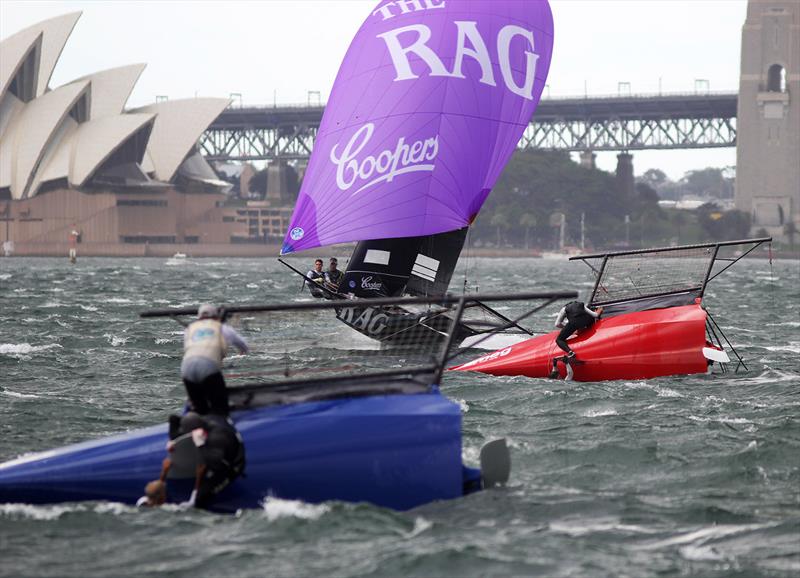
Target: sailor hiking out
[205,343]
[333,276]
[316,274]
[318,277]
[573,316]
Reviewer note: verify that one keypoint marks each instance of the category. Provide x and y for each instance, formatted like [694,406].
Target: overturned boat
[429,104]
[373,430]
[654,322]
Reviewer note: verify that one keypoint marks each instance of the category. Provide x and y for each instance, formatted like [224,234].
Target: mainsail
[430,101]
[412,265]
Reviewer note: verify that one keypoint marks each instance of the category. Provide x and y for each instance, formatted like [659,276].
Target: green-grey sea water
[675,476]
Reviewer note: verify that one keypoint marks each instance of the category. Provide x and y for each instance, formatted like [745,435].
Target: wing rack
[306,365]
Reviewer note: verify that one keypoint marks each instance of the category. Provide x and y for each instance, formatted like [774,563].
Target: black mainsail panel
[413,265]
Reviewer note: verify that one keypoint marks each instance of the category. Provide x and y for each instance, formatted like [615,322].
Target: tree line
[525,207]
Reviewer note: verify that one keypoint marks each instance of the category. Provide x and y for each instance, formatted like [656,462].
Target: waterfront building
[73,158]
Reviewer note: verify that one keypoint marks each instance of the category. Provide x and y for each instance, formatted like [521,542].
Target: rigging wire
[771,280]
[466,259]
[469,256]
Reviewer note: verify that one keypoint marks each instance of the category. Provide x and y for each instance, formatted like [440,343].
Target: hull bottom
[394,451]
[639,345]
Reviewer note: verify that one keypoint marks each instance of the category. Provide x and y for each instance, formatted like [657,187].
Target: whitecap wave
[115,340]
[582,527]
[276,508]
[420,525]
[600,412]
[721,419]
[784,324]
[694,545]
[10,393]
[18,349]
[791,348]
[33,512]
[470,455]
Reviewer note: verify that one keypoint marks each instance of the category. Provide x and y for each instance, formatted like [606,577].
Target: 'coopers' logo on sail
[370,285]
[386,165]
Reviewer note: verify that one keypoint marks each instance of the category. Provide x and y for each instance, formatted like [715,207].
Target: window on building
[141,203]
[140,239]
[776,78]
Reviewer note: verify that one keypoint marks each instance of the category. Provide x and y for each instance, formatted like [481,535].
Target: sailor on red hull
[637,345]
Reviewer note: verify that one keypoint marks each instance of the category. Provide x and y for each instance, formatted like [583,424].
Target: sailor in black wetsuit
[572,317]
[221,454]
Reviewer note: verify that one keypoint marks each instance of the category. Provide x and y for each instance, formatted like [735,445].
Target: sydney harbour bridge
[619,123]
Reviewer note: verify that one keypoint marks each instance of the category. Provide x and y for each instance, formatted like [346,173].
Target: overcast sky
[278,50]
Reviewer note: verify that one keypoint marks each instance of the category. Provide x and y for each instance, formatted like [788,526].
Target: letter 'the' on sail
[429,103]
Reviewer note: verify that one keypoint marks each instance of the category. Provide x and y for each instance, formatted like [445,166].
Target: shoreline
[273,251]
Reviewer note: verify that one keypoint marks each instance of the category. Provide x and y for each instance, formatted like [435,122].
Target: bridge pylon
[624,174]
[588,159]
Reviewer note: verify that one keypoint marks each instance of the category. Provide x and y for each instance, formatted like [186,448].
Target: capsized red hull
[637,345]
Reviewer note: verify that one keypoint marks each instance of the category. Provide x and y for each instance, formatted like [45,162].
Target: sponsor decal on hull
[370,321]
[488,357]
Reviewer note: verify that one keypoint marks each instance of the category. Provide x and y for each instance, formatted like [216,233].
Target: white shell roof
[111,89]
[179,124]
[14,51]
[38,122]
[96,140]
[40,141]
[54,32]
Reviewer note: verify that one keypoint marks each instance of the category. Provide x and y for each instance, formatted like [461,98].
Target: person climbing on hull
[573,317]
[219,458]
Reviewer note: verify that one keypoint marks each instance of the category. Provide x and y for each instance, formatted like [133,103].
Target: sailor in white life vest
[205,342]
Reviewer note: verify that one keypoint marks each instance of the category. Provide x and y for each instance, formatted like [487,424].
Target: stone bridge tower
[768,116]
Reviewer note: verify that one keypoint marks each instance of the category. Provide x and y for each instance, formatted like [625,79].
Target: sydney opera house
[74,160]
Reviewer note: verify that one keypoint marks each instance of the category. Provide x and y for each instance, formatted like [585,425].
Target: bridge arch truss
[597,124]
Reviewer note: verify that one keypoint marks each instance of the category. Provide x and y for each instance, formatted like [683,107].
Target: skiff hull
[397,451]
[638,345]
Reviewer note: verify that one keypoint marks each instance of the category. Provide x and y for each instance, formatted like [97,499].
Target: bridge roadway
[613,123]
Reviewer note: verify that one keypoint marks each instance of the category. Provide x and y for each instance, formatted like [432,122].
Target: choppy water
[674,476]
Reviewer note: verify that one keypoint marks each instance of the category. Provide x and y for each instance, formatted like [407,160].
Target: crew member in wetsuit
[221,459]
[572,317]
[204,345]
[317,275]
[333,276]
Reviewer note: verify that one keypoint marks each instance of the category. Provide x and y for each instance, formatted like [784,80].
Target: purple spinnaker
[429,104]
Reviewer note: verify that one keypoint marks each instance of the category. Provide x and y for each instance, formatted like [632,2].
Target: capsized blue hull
[397,451]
